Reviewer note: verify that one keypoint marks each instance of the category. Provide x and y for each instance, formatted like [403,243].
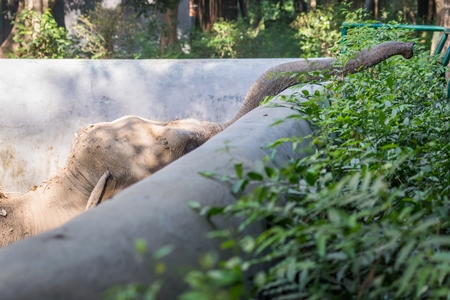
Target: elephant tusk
[97,192]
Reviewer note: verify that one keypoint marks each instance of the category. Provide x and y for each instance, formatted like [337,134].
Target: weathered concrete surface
[43,103]
[95,250]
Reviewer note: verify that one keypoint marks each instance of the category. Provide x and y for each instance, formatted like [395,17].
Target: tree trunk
[300,6]
[439,22]
[258,14]
[439,12]
[376,10]
[212,11]
[430,11]
[422,9]
[445,20]
[372,7]
[243,9]
[369,6]
[39,6]
[168,34]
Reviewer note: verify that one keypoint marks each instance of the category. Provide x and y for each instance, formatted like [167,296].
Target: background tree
[39,6]
[442,18]
[168,27]
[231,28]
[211,11]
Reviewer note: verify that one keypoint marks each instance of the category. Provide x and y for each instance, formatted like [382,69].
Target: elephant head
[108,157]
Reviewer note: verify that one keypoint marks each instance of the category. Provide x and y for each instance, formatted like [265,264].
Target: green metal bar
[344,31]
[446,59]
[446,32]
[343,37]
[441,44]
[400,26]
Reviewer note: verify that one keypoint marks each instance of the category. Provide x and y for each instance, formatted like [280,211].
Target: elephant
[107,157]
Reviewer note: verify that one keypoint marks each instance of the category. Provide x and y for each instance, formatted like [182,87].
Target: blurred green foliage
[104,33]
[40,37]
[271,29]
[366,215]
[124,32]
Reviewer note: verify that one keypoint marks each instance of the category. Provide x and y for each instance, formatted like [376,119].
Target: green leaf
[207,174]
[269,172]
[141,246]
[163,252]
[310,178]
[334,216]
[194,205]
[238,169]
[390,82]
[321,245]
[394,112]
[227,244]
[239,185]
[403,254]
[441,257]
[255,176]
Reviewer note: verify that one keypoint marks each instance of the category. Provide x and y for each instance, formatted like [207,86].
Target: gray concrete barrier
[95,251]
[43,103]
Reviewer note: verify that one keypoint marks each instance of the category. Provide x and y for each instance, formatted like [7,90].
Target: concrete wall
[95,251]
[43,103]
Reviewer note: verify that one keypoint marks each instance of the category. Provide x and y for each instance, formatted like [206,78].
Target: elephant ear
[184,141]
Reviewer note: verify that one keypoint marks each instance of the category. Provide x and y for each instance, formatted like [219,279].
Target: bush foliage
[40,36]
[366,215]
[105,33]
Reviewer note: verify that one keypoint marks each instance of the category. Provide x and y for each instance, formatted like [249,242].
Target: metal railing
[440,46]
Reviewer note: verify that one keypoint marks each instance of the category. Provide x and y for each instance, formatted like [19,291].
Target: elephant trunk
[271,84]
[370,57]
[12,220]
[48,206]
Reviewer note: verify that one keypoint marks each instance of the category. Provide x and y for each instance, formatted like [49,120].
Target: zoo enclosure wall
[44,103]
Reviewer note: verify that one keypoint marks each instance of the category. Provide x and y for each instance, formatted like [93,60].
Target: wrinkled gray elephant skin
[108,157]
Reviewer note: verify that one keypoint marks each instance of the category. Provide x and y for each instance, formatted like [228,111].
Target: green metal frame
[445,31]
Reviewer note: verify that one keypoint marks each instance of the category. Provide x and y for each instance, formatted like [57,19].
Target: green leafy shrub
[366,215]
[237,39]
[40,36]
[276,39]
[112,33]
[227,39]
[318,31]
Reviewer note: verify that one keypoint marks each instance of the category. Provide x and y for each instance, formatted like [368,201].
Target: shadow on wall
[47,101]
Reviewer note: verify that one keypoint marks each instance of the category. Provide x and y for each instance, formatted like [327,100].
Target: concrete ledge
[44,102]
[95,251]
